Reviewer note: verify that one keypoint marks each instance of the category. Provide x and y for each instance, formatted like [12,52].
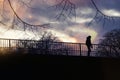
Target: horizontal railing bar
[40,41]
[53,42]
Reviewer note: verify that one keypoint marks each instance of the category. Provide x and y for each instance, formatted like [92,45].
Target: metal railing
[45,47]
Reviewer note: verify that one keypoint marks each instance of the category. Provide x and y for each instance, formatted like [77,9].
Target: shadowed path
[59,67]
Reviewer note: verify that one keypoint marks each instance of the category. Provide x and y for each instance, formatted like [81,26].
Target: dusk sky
[73,29]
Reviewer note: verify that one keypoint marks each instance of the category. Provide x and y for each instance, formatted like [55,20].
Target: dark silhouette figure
[88,44]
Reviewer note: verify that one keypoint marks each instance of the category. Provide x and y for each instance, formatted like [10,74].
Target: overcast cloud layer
[74,29]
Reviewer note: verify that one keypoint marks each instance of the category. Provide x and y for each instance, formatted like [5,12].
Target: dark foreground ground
[41,67]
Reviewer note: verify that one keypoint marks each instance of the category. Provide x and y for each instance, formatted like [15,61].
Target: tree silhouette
[48,44]
[110,45]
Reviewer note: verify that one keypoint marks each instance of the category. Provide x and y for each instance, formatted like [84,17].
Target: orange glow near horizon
[83,32]
[63,37]
[68,39]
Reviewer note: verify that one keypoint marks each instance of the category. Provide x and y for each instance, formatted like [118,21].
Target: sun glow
[83,32]
[64,37]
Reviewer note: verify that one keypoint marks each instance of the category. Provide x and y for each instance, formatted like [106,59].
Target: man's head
[89,36]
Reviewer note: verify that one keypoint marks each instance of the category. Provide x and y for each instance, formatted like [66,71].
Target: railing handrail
[42,41]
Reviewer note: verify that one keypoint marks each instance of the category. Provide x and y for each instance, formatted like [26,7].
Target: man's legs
[89,50]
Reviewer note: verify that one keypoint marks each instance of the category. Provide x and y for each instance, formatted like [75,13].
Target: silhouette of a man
[88,44]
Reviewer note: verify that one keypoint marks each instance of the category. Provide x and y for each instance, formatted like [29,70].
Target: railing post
[80,48]
[9,43]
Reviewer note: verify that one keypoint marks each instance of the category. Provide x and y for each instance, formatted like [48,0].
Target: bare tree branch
[67,10]
[25,23]
[27,3]
[101,17]
[18,23]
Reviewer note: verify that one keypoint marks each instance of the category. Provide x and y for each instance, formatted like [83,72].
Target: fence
[45,47]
